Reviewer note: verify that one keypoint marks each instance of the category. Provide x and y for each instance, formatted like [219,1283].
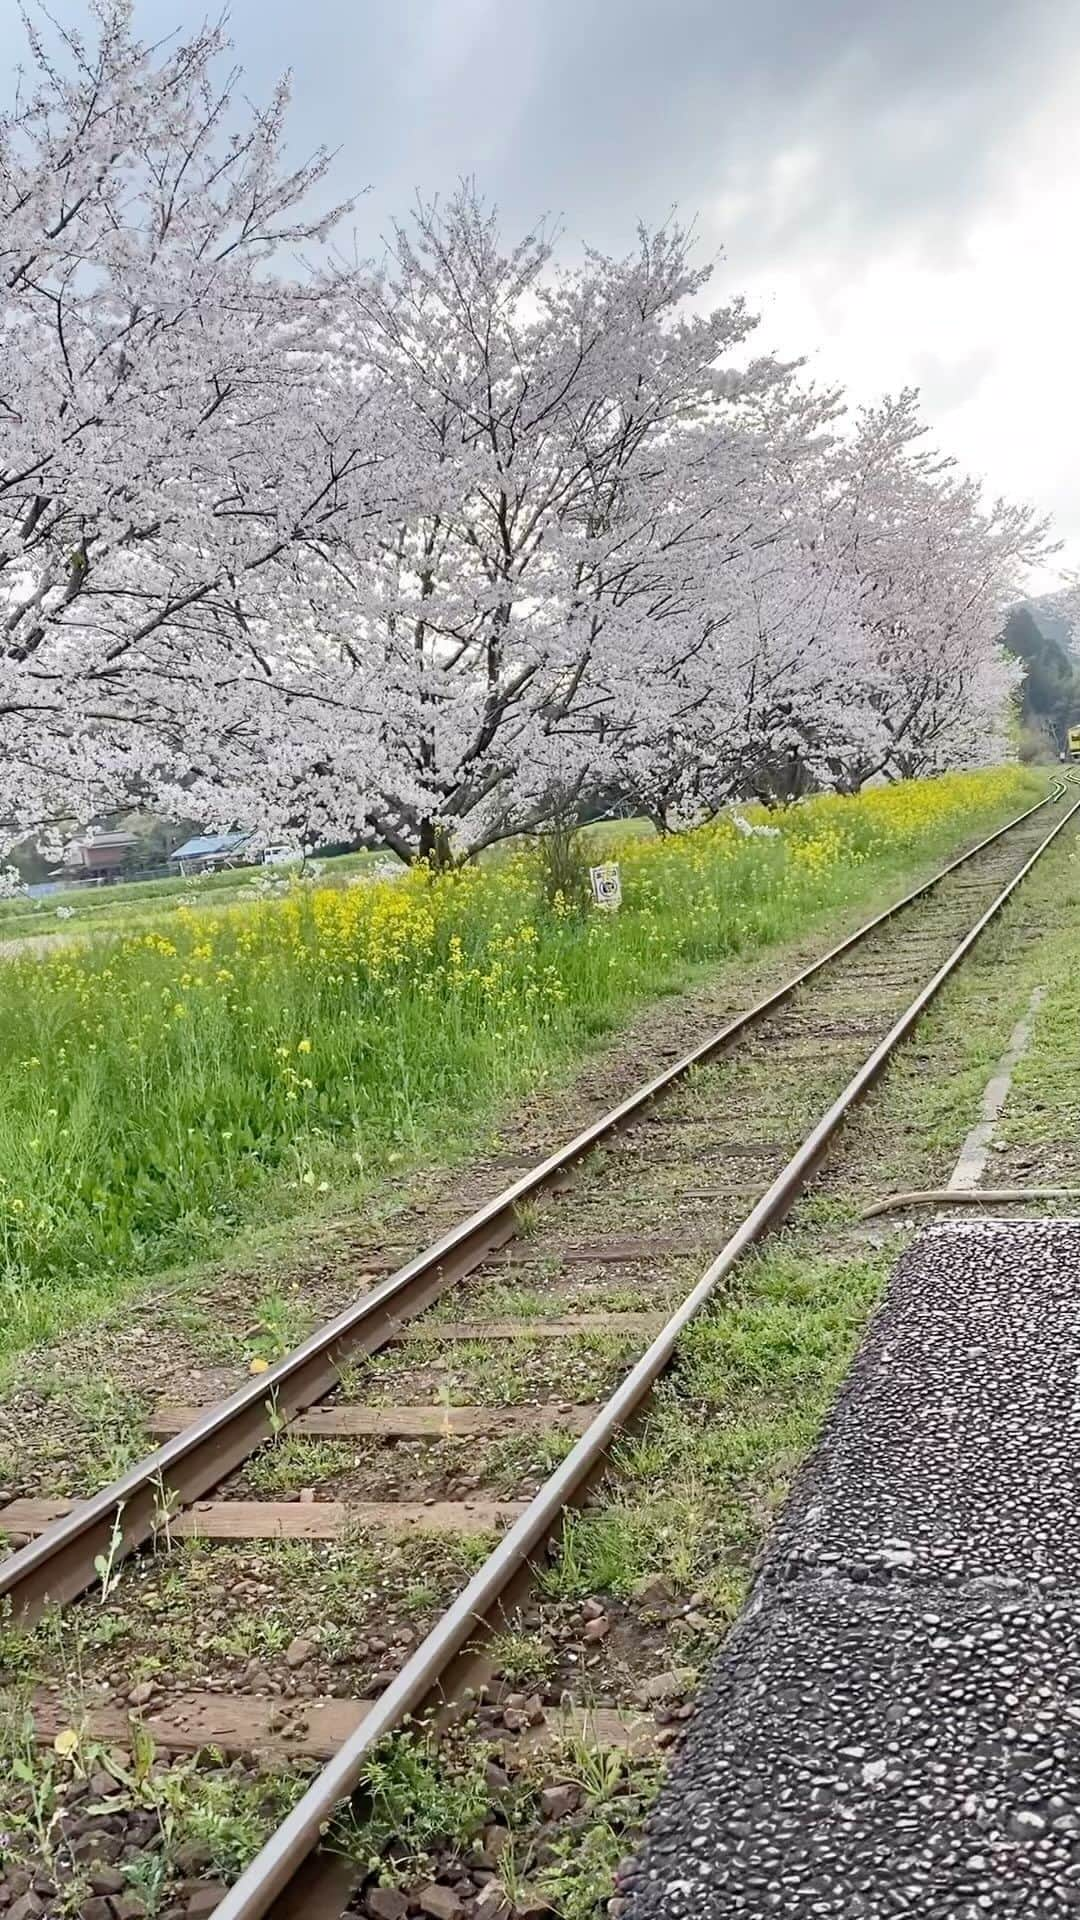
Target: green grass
[420,1799]
[292,1461]
[523,1659]
[1043,1107]
[742,1406]
[225,1809]
[90,1432]
[128,903]
[693,1493]
[162,1092]
[417,1802]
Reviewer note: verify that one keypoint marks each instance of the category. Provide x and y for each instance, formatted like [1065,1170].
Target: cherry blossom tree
[431,553]
[763,694]
[583,460]
[162,442]
[863,642]
[932,568]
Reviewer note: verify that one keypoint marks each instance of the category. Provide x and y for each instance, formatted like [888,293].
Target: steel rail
[60,1563]
[270,1876]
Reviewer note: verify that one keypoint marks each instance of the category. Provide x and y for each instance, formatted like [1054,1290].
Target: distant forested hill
[1051,624]
[1050,698]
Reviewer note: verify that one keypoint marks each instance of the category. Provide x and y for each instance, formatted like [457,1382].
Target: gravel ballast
[894,1725]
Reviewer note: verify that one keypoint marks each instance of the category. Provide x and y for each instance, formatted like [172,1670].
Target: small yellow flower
[303,1046]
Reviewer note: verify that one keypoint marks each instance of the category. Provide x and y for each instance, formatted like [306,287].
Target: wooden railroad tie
[292,1519]
[405,1423]
[244,1723]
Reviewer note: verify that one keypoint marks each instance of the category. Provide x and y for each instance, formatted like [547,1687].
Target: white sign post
[606,883]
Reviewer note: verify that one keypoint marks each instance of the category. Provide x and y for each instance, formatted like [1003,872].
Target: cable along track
[659,1181]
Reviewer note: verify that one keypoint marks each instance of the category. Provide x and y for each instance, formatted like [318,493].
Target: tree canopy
[427,551]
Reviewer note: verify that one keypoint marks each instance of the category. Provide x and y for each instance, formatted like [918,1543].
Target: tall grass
[160,1090]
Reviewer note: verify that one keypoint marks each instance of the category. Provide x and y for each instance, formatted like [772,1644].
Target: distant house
[209,850]
[103,856]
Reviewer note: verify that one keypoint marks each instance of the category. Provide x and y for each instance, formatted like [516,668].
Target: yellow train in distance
[1074,743]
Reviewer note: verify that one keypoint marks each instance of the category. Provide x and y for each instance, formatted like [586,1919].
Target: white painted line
[975,1151]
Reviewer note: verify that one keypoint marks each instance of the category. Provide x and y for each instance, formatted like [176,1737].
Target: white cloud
[987,327]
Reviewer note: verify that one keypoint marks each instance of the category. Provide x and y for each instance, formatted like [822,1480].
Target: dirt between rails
[299,1622]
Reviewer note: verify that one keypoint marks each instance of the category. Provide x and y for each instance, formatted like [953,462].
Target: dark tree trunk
[435,845]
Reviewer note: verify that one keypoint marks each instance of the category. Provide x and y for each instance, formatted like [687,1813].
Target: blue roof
[204,845]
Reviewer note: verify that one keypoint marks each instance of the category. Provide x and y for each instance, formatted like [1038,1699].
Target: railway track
[478,1360]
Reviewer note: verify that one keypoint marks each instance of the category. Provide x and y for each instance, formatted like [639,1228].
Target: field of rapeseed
[160,1090]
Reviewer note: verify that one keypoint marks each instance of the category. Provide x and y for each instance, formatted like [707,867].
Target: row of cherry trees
[427,553]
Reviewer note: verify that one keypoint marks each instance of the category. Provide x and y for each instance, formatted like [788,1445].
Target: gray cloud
[609,108]
[602,110]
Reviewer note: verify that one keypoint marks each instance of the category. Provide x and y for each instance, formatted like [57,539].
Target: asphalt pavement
[893,1727]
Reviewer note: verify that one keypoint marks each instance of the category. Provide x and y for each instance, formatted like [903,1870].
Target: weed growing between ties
[87,1431]
[547,1828]
[81,1816]
[200,1613]
[694,1491]
[160,1091]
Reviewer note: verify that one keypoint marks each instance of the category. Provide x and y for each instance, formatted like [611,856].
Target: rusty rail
[284,1879]
[60,1563]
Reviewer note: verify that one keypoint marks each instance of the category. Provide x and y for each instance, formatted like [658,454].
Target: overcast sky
[894,183]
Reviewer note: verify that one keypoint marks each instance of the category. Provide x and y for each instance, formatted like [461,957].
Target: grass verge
[161,1092]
